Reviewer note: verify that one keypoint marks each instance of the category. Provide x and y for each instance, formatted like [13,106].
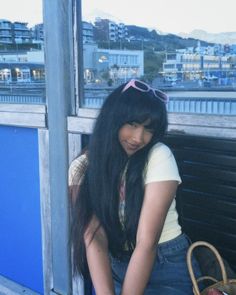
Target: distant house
[22,67]
[14,32]
[6,35]
[106,30]
[119,65]
[187,65]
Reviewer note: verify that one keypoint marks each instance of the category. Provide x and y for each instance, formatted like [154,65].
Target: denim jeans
[169,276]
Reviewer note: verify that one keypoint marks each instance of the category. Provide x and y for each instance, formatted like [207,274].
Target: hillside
[222,38]
[161,42]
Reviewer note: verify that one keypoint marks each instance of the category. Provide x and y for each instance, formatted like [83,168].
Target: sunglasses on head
[142,86]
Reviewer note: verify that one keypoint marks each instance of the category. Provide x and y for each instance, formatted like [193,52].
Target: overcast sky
[172,16]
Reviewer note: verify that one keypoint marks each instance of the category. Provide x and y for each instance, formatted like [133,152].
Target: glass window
[22,50]
[172,48]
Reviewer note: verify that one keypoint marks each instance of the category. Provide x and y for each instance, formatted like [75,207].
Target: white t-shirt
[162,166]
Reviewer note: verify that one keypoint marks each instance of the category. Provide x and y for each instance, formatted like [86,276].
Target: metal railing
[188,104]
[95,99]
[199,105]
[22,98]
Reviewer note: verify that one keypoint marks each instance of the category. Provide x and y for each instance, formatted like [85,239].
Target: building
[38,33]
[198,65]
[6,31]
[118,65]
[14,32]
[22,67]
[87,32]
[21,33]
[100,65]
[107,30]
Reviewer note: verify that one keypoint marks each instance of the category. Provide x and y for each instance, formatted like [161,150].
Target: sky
[29,11]
[172,16]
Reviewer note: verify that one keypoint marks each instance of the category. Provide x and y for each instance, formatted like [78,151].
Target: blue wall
[20,228]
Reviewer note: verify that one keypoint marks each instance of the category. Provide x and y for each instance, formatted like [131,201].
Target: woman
[125,233]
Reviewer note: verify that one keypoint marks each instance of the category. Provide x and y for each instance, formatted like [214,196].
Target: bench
[206,200]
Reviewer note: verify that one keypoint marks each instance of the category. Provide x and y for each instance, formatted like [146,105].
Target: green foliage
[152,64]
[142,39]
[105,75]
[110,82]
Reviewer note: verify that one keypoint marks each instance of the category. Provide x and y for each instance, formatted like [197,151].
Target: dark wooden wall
[206,200]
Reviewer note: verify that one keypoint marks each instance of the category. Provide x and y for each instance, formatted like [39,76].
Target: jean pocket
[176,257]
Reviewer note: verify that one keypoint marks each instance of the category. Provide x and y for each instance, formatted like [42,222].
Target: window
[22,51]
[140,45]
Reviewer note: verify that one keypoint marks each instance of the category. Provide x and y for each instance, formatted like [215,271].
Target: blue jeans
[170,274]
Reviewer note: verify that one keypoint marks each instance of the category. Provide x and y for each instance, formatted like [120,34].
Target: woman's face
[134,136]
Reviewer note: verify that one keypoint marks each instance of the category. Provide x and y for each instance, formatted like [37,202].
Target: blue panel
[20,228]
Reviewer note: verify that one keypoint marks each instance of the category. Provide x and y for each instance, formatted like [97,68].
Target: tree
[105,75]
[152,64]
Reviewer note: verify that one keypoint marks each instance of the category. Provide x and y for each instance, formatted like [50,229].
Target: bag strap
[190,268]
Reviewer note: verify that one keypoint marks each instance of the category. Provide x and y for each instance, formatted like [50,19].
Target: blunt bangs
[140,107]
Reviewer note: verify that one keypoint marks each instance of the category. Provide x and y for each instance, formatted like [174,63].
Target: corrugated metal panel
[26,99]
[95,99]
[181,104]
[206,199]
[202,106]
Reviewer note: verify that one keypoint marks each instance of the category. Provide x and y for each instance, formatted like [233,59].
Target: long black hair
[99,192]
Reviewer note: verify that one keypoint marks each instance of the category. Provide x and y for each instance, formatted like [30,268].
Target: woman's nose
[138,136]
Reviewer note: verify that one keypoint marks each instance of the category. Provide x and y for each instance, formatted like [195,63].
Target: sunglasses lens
[161,95]
[140,85]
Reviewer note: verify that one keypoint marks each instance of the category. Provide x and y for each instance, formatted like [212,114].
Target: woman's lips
[133,146]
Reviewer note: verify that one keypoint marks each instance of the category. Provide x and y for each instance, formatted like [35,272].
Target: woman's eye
[133,124]
[150,130]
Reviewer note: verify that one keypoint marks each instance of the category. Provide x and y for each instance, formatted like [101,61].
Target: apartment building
[186,65]
[38,33]
[14,32]
[107,30]
[6,36]
[21,33]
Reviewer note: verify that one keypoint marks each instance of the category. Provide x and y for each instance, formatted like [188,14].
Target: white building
[186,65]
[118,65]
[99,64]
[22,67]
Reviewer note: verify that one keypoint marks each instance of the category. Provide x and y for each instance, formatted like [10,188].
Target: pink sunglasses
[142,86]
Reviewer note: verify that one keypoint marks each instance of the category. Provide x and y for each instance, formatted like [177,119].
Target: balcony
[34,200]
[204,146]
[5,34]
[5,26]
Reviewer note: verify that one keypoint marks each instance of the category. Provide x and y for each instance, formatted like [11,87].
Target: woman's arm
[98,258]
[157,200]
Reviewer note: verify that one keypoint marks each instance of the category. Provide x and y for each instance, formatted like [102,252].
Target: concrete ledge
[8,287]
[190,124]
[32,116]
